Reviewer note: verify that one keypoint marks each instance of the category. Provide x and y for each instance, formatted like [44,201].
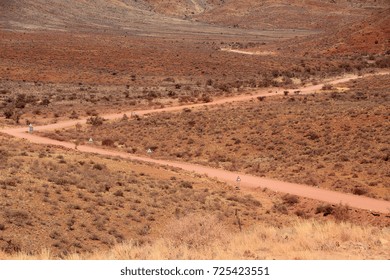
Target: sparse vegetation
[329,146]
[60,203]
[106,201]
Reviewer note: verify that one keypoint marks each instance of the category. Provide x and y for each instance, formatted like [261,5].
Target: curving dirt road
[223,175]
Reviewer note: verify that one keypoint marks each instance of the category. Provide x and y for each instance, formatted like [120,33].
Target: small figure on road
[30,128]
[238,181]
[76,144]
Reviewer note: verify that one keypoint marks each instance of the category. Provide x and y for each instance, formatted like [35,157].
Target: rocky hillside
[314,14]
[126,14]
[371,35]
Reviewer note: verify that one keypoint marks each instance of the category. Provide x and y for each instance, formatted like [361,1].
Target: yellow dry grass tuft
[199,237]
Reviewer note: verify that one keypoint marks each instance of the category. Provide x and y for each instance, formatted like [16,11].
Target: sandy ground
[246,181]
[264,53]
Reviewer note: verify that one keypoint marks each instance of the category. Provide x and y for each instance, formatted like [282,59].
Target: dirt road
[248,181]
[264,53]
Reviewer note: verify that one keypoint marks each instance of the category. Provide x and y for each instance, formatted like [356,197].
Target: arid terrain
[73,62]
[274,137]
[59,203]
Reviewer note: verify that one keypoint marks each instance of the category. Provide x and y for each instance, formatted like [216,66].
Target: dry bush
[302,214]
[74,115]
[246,200]
[19,217]
[326,209]
[280,208]
[290,199]
[195,231]
[359,191]
[108,142]
[8,113]
[186,185]
[341,213]
[95,121]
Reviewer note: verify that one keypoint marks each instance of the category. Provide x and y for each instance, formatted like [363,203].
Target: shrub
[125,117]
[17,216]
[224,87]
[172,94]
[301,213]
[280,208]
[383,62]
[59,181]
[144,230]
[20,101]
[341,212]
[359,191]
[8,113]
[186,185]
[95,120]
[108,142]
[98,166]
[206,98]
[45,102]
[118,193]
[195,231]
[311,135]
[74,115]
[290,199]
[325,209]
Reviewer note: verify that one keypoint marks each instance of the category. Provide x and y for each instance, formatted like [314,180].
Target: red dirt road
[248,181]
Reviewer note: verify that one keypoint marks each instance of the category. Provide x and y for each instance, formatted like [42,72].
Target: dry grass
[197,237]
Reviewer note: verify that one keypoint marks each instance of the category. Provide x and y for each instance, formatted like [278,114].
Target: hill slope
[368,36]
[313,14]
[166,14]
